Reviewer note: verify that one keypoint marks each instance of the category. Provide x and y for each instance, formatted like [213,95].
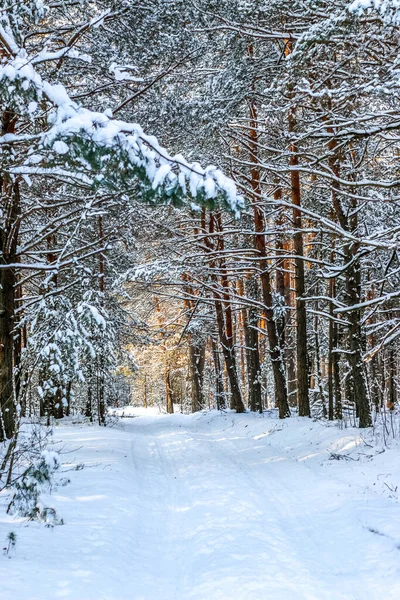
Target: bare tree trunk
[219,377]
[68,407]
[223,312]
[250,320]
[353,292]
[228,352]
[301,315]
[168,391]
[318,370]
[280,275]
[336,377]
[167,375]
[356,354]
[266,288]
[9,230]
[241,331]
[101,406]
[100,374]
[145,401]
[331,351]
[7,281]
[290,338]
[197,355]
[89,397]
[392,397]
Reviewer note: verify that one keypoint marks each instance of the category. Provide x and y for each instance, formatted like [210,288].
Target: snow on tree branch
[389,10]
[108,151]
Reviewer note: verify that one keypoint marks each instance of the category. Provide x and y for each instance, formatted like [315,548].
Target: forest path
[213,506]
[227,514]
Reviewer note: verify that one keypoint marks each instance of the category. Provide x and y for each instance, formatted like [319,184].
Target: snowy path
[215,507]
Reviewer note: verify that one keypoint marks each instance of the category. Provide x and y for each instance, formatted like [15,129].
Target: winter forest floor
[214,506]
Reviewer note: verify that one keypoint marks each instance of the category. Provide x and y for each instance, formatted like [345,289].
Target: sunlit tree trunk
[168,391]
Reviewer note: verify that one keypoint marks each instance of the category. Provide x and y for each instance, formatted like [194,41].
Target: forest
[200,221]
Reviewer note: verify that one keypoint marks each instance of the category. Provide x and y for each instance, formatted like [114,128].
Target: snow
[69,120]
[136,411]
[98,21]
[388,9]
[122,73]
[214,505]
[60,147]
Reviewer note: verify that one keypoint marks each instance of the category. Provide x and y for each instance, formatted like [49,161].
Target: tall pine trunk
[9,229]
[168,391]
[223,310]
[219,377]
[301,315]
[250,323]
[276,354]
[197,357]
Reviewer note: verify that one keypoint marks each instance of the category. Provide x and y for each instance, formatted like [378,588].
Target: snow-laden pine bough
[96,149]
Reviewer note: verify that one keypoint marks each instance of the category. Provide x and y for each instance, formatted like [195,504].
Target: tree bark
[266,287]
[223,310]
[250,321]
[197,356]
[168,391]
[301,315]
[9,230]
[219,377]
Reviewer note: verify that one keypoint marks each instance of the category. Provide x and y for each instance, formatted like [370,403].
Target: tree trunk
[101,375]
[250,321]
[223,312]
[353,291]
[68,407]
[168,391]
[9,230]
[197,355]
[355,354]
[101,406]
[7,281]
[266,288]
[290,341]
[228,352]
[89,397]
[301,315]
[219,377]
[331,352]
[145,401]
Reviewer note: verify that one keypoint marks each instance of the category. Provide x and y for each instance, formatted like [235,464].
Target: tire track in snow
[231,519]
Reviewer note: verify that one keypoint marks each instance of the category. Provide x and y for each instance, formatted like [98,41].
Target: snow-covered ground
[214,507]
